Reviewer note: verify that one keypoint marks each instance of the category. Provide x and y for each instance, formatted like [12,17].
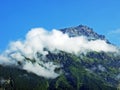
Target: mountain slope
[74,76]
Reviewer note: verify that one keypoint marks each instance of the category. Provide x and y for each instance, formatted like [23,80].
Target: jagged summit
[82,30]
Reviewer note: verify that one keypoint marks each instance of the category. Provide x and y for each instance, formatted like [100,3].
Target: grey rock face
[82,30]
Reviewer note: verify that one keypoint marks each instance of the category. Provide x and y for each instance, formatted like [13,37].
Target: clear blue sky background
[19,16]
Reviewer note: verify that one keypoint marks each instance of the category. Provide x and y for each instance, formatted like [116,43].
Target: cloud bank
[37,40]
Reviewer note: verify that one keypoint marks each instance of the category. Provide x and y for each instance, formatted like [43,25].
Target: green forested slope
[91,71]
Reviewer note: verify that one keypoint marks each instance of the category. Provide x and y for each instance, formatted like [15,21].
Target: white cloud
[4,60]
[37,39]
[41,71]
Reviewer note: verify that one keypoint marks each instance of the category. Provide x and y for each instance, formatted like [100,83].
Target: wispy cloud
[114,32]
[114,36]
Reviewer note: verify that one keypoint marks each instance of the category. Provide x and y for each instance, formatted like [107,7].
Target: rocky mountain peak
[82,30]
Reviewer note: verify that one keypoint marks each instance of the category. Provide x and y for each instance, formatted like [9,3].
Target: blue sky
[17,17]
